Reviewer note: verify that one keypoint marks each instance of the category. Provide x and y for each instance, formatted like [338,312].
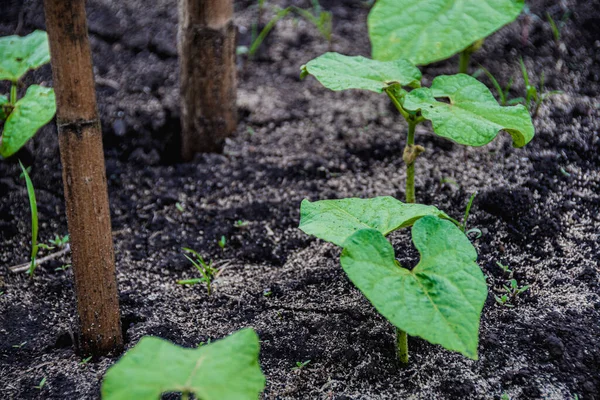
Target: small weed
[41,385]
[85,360]
[222,242]
[58,241]
[34,220]
[240,224]
[20,345]
[63,267]
[505,396]
[534,95]
[507,272]
[267,292]
[300,365]
[511,292]
[502,92]
[208,272]
[208,341]
[179,207]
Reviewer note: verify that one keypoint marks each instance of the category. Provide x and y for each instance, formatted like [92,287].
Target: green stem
[465,57]
[410,166]
[402,346]
[185,396]
[13,93]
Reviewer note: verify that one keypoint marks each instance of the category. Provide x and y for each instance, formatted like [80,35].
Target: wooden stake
[208,76]
[84,177]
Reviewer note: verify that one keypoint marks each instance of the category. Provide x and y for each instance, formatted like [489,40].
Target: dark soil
[537,208]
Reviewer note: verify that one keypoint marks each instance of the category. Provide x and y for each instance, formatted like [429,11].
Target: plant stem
[402,346]
[185,396]
[13,93]
[465,57]
[410,164]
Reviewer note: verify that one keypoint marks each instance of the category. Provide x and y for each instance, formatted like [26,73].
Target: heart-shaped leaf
[339,72]
[473,116]
[336,220]
[30,113]
[19,54]
[440,300]
[224,370]
[424,31]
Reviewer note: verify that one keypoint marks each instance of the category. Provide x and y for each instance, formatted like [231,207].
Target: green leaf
[31,112]
[440,300]
[34,219]
[22,53]
[224,370]
[337,220]
[3,102]
[339,72]
[473,116]
[424,31]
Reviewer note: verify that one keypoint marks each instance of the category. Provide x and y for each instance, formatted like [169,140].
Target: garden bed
[538,209]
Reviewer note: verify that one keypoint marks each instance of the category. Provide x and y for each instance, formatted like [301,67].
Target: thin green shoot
[505,268]
[34,220]
[85,360]
[222,242]
[554,27]
[502,93]
[463,226]
[180,207]
[41,385]
[208,341]
[534,96]
[20,345]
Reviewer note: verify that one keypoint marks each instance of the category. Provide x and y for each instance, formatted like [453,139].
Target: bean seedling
[439,300]
[225,369]
[459,107]
[23,117]
[208,272]
[425,31]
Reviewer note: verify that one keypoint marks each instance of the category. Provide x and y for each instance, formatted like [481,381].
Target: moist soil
[537,210]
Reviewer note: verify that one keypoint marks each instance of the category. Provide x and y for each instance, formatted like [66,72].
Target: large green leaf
[31,112]
[225,370]
[337,220]
[440,300]
[19,54]
[424,31]
[339,72]
[472,116]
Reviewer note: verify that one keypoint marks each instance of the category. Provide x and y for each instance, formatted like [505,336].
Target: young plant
[321,19]
[23,117]
[439,300]
[300,365]
[225,369]
[459,107]
[534,95]
[425,31]
[511,292]
[34,221]
[208,272]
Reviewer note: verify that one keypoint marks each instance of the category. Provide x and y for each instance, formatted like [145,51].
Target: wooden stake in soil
[84,177]
[208,77]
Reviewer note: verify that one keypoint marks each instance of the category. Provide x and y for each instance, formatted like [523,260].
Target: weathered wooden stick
[84,177]
[208,77]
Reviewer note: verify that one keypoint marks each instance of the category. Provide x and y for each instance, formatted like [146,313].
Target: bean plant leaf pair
[440,299]
[29,114]
[23,117]
[425,31]
[472,116]
[336,220]
[227,369]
